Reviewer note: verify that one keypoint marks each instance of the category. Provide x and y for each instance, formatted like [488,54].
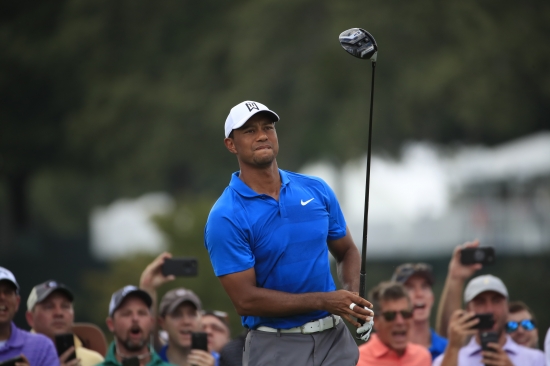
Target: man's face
[132,324]
[393,333]
[218,333]
[255,143]
[527,338]
[9,302]
[494,303]
[54,315]
[180,323]
[422,297]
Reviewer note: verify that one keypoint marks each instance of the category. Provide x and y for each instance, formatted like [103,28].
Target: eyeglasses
[527,324]
[390,316]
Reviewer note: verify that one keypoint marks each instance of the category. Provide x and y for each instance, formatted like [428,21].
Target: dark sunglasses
[527,324]
[391,315]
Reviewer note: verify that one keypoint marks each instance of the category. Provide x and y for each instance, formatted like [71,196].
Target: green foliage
[183,229]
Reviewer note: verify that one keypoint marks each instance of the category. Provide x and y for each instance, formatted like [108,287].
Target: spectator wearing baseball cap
[485,294]
[418,279]
[131,323]
[215,324]
[50,312]
[37,349]
[179,315]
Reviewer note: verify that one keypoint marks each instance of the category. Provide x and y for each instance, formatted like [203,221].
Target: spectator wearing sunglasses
[418,279]
[391,345]
[215,324]
[522,325]
[485,294]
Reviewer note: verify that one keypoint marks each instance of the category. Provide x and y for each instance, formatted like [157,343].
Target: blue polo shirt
[438,345]
[284,241]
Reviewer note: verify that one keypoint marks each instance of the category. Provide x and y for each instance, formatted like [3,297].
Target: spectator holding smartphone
[37,349]
[215,324]
[179,315]
[522,325]
[390,345]
[131,323]
[485,295]
[418,279]
[50,312]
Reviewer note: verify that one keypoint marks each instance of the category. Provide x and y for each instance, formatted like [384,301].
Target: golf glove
[365,330]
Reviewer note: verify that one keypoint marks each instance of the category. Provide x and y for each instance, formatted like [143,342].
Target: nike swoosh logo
[306,202]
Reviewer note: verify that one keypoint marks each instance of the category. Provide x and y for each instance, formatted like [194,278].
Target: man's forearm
[451,300]
[450,357]
[349,269]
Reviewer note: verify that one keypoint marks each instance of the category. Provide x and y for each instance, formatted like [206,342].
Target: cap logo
[486,281]
[181,292]
[51,284]
[251,106]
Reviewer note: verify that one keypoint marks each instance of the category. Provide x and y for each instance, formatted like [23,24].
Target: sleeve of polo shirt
[228,245]
[337,222]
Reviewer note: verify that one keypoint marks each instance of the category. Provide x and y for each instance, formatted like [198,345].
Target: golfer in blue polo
[268,237]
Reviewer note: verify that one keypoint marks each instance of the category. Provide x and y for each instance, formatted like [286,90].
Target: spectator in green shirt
[131,323]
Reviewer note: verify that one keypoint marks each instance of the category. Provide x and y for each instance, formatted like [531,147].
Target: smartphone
[485,256]
[63,342]
[199,340]
[12,361]
[486,321]
[486,338]
[132,361]
[180,267]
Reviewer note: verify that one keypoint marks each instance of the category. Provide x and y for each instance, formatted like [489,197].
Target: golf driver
[361,44]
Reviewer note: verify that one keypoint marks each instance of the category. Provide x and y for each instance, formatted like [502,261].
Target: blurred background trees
[108,99]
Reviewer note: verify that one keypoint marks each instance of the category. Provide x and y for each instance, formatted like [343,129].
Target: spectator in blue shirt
[37,349]
[418,279]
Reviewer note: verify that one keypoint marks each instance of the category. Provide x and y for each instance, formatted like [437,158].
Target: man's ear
[230,145]
[160,322]
[110,325]
[30,320]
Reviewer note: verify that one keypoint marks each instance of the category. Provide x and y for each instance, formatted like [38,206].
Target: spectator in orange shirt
[390,345]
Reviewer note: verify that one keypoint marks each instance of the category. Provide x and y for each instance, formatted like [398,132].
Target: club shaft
[362,284]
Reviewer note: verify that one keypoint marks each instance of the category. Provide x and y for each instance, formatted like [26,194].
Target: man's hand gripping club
[364,325]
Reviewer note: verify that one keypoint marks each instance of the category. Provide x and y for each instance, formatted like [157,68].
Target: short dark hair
[517,306]
[387,290]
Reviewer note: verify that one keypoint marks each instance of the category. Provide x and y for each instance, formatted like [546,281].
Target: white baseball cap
[6,275]
[242,112]
[482,284]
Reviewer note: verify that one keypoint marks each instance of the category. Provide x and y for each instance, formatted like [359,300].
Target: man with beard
[485,294]
[50,312]
[131,323]
[390,345]
[268,237]
[418,279]
[37,349]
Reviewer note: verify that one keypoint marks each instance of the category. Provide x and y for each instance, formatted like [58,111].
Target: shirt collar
[241,188]
[380,349]
[15,340]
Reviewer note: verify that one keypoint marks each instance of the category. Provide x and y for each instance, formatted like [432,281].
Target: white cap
[242,112]
[482,284]
[6,275]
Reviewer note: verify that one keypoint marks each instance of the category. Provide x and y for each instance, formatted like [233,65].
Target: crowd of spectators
[148,331]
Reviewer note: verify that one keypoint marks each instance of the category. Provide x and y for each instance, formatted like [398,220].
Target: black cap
[119,296]
[407,270]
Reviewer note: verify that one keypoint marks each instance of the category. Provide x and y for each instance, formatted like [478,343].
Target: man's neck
[5,331]
[177,355]
[421,334]
[143,354]
[262,180]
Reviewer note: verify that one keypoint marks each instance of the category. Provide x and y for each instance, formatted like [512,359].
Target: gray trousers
[332,347]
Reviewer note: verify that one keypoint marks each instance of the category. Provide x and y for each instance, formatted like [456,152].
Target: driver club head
[359,43]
